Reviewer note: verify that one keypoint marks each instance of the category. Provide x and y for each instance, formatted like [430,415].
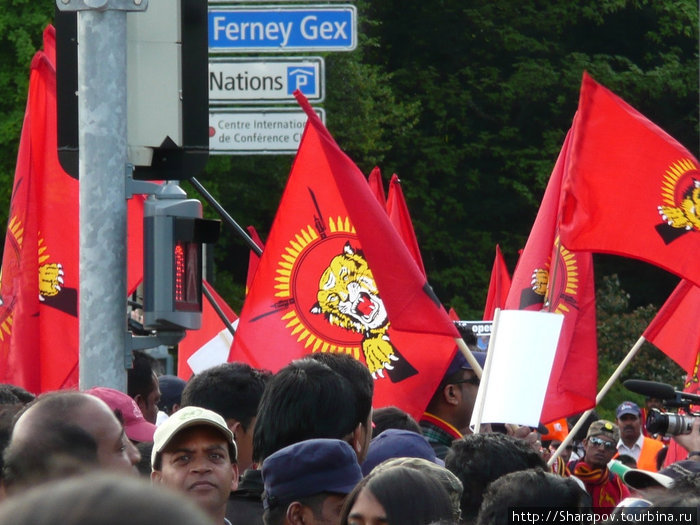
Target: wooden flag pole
[603,391]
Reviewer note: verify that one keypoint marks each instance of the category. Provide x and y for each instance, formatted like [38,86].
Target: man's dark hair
[140,376]
[232,390]
[56,448]
[358,375]
[24,396]
[479,459]
[304,400]
[393,417]
[529,488]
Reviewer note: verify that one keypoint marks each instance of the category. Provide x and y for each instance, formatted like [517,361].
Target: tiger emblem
[348,298]
[686,215]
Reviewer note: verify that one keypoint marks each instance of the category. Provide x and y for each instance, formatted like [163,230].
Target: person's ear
[234,481]
[156,476]
[295,513]
[357,439]
[450,394]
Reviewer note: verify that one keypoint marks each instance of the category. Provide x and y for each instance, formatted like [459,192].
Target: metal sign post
[102,164]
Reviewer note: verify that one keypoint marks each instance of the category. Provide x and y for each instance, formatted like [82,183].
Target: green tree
[619,328]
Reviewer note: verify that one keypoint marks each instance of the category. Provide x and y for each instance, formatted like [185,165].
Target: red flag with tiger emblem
[322,284]
[39,331]
[499,286]
[38,288]
[630,188]
[551,278]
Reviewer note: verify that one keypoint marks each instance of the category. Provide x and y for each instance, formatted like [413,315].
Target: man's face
[244,442]
[149,406]
[467,388]
[114,450]
[565,454]
[599,450]
[329,513]
[197,462]
[630,427]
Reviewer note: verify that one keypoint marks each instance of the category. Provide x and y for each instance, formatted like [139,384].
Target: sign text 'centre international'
[282,28]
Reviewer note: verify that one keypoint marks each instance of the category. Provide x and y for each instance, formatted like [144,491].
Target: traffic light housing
[173,234]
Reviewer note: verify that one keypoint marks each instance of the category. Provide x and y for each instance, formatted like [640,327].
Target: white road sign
[256,130]
[253,80]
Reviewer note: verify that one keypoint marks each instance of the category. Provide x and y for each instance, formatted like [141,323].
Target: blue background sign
[279,29]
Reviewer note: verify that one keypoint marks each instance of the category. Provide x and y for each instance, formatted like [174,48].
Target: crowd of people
[236,445]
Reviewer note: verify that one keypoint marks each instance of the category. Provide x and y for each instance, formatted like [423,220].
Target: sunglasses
[473,381]
[607,445]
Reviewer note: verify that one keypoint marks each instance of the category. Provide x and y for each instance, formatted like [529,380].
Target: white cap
[644,479]
[189,417]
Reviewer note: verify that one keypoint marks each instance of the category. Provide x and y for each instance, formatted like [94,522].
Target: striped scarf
[606,489]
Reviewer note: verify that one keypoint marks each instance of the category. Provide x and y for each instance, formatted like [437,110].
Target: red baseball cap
[135,425]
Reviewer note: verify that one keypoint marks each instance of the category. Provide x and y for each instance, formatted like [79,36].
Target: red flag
[630,189]
[550,277]
[499,285]
[40,261]
[397,210]
[39,285]
[253,258]
[315,291]
[376,185]
[211,343]
[675,329]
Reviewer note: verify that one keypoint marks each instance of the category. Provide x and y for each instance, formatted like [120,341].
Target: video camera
[666,423]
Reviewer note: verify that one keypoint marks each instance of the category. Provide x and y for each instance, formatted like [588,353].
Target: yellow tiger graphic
[687,214]
[348,298]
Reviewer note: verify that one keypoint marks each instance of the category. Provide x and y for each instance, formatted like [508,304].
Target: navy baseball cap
[307,468]
[460,362]
[171,388]
[628,407]
[398,443]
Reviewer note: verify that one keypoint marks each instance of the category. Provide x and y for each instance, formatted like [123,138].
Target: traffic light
[173,233]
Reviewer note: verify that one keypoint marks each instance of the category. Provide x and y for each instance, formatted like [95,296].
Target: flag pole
[469,356]
[598,398]
[225,215]
[481,396]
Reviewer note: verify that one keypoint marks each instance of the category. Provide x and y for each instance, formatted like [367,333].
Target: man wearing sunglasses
[605,488]
[449,412]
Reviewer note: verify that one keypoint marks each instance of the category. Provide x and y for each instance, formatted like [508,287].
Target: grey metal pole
[102,165]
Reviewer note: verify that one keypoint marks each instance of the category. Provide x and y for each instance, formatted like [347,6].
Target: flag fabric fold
[675,329]
[397,209]
[552,278]
[375,184]
[630,188]
[499,285]
[321,283]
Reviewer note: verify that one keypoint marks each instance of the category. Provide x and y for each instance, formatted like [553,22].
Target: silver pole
[102,164]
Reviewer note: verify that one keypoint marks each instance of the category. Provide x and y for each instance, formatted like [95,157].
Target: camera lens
[668,424]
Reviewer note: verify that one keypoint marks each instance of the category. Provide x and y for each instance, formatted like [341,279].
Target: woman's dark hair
[409,497]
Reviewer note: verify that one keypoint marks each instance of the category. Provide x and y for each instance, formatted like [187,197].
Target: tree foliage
[468,102]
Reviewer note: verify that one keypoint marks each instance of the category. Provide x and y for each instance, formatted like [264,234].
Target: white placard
[521,354]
